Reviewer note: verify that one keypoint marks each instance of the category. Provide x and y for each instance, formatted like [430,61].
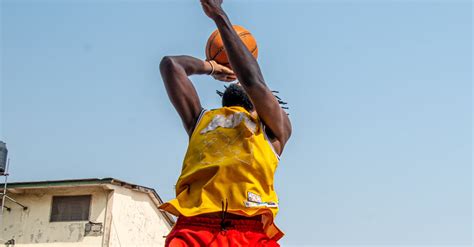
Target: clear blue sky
[379,92]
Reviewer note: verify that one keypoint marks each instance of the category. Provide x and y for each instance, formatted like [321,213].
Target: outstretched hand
[212,8]
[221,72]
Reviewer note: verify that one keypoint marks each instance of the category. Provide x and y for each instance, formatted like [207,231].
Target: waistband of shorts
[214,224]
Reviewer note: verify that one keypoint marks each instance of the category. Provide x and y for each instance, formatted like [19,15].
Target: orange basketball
[215,47]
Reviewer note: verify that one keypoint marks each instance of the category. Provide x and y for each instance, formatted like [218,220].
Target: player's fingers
[230,78]
[205,4]
[227,70]
[220,78]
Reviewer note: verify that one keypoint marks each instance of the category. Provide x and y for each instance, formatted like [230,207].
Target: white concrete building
[83,212]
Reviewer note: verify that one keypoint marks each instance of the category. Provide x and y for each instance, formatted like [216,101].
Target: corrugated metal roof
[65,182]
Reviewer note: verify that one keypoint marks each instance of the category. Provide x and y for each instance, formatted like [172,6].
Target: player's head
[235,95]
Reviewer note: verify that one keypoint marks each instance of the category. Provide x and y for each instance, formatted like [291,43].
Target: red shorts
[203,231]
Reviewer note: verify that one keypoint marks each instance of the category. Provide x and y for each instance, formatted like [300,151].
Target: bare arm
[248,72]
[175,71]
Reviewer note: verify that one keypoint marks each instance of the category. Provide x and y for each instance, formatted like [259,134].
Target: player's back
[229,159]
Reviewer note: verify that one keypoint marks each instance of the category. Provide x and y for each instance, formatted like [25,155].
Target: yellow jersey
[229,159]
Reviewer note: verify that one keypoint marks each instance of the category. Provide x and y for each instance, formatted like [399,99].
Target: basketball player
[225,194]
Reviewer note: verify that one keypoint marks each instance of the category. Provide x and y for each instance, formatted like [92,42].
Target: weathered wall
[32,227]
[135,220]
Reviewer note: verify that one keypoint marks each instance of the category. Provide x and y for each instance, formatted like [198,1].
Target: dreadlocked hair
[280,101]
[235,95]
[228,101]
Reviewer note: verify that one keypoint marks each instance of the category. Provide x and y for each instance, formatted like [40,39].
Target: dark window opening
[70,208]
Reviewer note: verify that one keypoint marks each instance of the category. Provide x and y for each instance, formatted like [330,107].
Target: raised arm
[248,73]
[175,71]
